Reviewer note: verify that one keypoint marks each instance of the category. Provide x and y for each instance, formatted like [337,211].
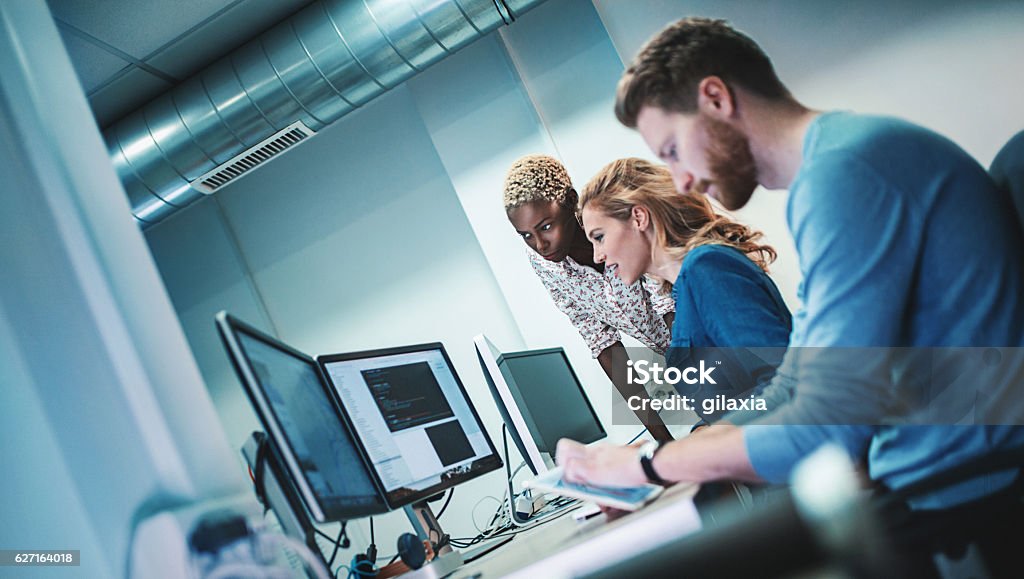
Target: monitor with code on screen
[411,414]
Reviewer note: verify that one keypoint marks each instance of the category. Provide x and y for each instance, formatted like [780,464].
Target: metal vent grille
[252,157]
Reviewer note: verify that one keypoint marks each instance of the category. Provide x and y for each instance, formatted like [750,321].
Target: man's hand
[601,464]
[714,453]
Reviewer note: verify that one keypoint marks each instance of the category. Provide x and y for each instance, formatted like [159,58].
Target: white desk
[565,548]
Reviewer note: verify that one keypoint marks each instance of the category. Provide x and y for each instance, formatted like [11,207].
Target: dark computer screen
[410,411]
[550,397]
[407,395]
[309,425]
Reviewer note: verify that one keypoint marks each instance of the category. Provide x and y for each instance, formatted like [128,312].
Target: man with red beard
[903,242]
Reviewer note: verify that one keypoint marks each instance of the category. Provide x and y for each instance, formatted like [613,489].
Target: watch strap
[647,463]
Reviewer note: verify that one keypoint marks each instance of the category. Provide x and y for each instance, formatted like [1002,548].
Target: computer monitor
[307,432]
[540,398]
[413,418]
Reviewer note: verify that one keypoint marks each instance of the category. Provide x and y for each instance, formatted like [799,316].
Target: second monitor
[540,399]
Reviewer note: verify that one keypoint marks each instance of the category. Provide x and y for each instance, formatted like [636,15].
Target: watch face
[648,449]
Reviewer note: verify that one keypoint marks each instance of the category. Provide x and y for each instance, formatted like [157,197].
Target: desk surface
[566,548]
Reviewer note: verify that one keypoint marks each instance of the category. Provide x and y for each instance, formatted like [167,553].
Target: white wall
[533,89]
[41,487]
[354,241]
[387,227]
[950,66]
[105,419]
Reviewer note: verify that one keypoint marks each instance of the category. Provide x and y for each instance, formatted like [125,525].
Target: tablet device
[624,498]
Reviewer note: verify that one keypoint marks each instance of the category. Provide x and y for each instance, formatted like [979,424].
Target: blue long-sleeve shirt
[903,241]
[728,310]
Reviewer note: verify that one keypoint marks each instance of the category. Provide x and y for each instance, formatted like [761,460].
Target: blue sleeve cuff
[771,451]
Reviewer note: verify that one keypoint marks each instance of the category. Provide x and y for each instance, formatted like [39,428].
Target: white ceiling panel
[136,27]
[93,64]
[124,94]
[221,35]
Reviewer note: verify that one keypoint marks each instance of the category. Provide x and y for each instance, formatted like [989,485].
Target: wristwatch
[646,454]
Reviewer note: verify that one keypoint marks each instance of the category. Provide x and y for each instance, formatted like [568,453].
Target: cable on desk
[340,542]
[472,513]
[337,543]
[451,492]
[505,507]
[499,510]
[510,531]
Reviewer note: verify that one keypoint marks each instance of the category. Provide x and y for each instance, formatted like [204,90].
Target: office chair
[1007,171]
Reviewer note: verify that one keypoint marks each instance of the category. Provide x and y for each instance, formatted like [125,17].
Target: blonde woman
[727,308]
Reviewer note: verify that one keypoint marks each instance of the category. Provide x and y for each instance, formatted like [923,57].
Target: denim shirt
[727,310]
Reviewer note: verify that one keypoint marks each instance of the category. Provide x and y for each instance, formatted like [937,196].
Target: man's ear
[641,217]
[715,99]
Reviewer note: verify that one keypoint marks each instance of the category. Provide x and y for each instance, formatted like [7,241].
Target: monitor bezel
[506,403]
[395,500]
[579,385]
[229,326]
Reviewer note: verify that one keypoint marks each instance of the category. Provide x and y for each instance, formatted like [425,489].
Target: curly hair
[669,68]
[681,221]
[538,178]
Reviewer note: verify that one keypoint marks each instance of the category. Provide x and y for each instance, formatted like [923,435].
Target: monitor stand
[549,460]
[446,560]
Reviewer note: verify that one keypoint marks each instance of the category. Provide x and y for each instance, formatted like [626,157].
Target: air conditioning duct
[310,70]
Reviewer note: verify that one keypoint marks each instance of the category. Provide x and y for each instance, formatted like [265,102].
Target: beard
[732,167]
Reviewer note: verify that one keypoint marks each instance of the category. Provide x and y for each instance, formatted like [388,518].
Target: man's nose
[682,179]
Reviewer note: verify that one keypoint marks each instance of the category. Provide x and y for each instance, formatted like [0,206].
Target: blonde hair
[538,178]
[681,221]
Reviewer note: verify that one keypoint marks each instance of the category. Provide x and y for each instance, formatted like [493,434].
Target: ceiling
[127,52]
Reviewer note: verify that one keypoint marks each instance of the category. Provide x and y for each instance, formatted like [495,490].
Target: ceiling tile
[222,35]
[128,92]
[136,27]
[93,64]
